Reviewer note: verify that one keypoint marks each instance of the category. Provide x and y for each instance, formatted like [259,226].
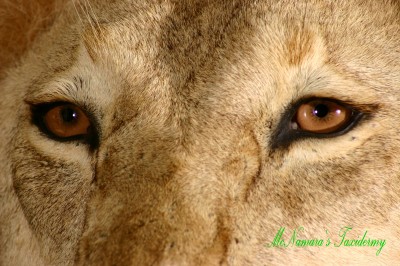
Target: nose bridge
[139,211]
[153,201]
[134,157]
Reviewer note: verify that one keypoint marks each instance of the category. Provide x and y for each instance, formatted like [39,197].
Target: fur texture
[187,98]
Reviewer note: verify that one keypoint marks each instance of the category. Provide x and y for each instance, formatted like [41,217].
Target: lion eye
[322,116]
[66,120]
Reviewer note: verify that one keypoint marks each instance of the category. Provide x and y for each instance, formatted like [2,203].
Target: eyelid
[61,90]
[46,98]
[284,135]
[39,110]
[367,108]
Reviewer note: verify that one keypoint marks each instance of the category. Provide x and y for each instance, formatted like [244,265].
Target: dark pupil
[321,110]
[68,115]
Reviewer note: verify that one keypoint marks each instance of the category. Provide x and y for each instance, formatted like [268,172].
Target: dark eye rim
[38,112]
[284,135]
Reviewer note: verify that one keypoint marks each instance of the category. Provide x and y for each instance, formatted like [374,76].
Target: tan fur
[187,97]
[21,21]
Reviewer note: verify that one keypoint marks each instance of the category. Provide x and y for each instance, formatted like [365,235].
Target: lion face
[202,133]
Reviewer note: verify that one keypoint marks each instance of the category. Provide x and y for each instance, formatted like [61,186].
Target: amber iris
[322,116]
[66,120]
